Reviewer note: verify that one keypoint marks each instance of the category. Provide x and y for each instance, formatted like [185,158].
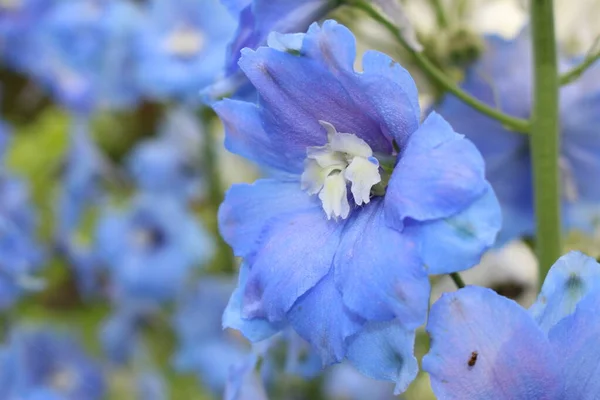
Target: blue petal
[321,318]
[485,346]
[245,135]
[570,279]
[255,329]
[396,100]
[296,252]
[244,383]
[299,90]
[385,351]
[575,342]
[439,174]
[379,271]
[458,242]
[248,209]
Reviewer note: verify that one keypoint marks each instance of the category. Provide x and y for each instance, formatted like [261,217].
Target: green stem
[440,13]
[545,136]
[577,71]
[224,254]
[457,279]
[438,76]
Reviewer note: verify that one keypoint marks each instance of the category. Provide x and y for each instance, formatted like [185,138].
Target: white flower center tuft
[184,41]
[328,170]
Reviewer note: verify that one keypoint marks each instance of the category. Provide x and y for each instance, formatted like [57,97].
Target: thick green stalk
[545,135]
[437,75]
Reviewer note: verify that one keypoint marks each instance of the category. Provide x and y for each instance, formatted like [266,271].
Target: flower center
[184,41]
[63,379]
[345,160]
[10,5]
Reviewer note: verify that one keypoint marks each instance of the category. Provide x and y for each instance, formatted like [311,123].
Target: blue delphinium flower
[256,20]
[204,348]
[21,255]
[86,56]
[151,249]
[169,164]
[498,80]
[364,196]
[181,47]
[43,364]
[485,346]
[19,20]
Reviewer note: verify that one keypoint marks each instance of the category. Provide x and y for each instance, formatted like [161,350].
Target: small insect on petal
[473,359]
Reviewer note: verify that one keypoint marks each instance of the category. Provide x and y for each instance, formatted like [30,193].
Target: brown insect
[473,359]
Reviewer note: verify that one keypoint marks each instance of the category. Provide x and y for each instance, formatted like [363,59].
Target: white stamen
[345,159]
[185,42]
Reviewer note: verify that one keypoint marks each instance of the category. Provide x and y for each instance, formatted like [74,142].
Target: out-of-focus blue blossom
[82,170]
[498,80]
[204,348]
[151,249]
[485,346]
[21,256]
[19,20]
[244,382]
[86,54]
[343,382]
[365,196]
[151,386]
[42,364]
[79,190]
[169,164]
[181,47]
[5,132]
[256,20]
[120,333]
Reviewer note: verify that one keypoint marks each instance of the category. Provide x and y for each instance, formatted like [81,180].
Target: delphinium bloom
[256,19]
[203,347]
[169,164]
[42,364]
[151,249]
[80,189]
[21,256]
[485,346]
[498,80]
[19,20]
[181,47]
[363,197]
[86,56]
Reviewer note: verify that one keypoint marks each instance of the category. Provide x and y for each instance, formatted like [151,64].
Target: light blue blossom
[19,21]
[21,255]
[86,55]
[169,164]
[181,47]
[40,364]
[485,346]
[151,249]
[336,243]
[256,20]
[204,348]
[499,80]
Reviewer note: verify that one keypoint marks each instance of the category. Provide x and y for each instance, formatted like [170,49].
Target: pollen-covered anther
[328,170]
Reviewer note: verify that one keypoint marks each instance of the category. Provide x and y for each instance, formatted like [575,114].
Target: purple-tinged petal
[248,209]
[466,236]
[296,252]
[245,136]
[439,174]
[485,346]
[385,351]
[571,279]
[255,329]
[575,342]
[321,318]
[379,271]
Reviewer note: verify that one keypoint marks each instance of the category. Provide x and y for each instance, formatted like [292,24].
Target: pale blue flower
[364,196]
